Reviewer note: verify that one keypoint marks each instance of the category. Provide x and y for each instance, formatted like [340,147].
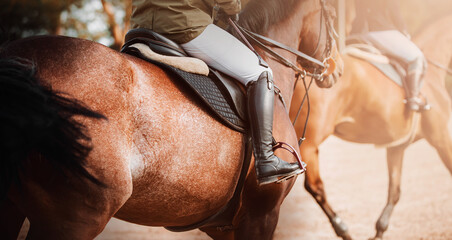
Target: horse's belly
[185,180]
[169,198]
[184,163]
[372,130]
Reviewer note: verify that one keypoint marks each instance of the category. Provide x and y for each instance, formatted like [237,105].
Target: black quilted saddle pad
[211,91]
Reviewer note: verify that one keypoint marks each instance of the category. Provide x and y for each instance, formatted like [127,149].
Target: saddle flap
[236,94]
[358,47]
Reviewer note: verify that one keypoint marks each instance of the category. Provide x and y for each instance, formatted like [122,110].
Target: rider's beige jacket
[179,20]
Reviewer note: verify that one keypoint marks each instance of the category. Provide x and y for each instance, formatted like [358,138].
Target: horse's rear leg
[253,224]
[314,185]
[11,220]
[65,207]
[72,212]
[259,225]
[218,233]
[258,214]
[394,159]
[83,220]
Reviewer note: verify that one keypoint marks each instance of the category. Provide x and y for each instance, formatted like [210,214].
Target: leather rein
[266,44]
[440,66]
[327,65]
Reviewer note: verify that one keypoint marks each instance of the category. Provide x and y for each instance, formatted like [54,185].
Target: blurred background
[106,21]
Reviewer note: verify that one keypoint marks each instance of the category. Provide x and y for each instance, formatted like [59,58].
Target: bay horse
[364,106]
[90,134]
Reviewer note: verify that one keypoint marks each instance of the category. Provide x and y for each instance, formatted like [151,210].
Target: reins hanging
[266,43]
[305,97]
[448,70]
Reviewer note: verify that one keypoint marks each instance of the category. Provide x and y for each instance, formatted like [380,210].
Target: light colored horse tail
[34,119]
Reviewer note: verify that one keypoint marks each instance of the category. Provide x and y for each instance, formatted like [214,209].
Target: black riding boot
[269,168]
[413,88]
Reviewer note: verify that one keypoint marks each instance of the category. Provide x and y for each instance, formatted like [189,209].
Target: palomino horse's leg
[394,159]
[11,220]
[435,132]
[444,149]
[314,185]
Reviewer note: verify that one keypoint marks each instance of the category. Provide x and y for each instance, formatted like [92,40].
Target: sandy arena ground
[355,178]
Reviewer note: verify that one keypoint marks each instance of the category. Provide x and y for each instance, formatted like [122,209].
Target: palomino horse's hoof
[340,228]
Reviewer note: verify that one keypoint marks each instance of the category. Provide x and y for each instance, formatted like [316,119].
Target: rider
[380,23]
[190,23]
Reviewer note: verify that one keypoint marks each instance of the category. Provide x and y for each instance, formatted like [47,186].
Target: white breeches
[397,45]
[224,52]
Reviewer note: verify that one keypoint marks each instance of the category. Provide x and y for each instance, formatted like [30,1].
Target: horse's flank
[164,160]
[136,138]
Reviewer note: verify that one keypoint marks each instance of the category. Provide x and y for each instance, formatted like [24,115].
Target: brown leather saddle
[221,94]
[394,69]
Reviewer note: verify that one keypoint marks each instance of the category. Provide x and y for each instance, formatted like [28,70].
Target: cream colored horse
[366,107]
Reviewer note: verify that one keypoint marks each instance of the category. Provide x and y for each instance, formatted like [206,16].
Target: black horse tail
[34,119]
